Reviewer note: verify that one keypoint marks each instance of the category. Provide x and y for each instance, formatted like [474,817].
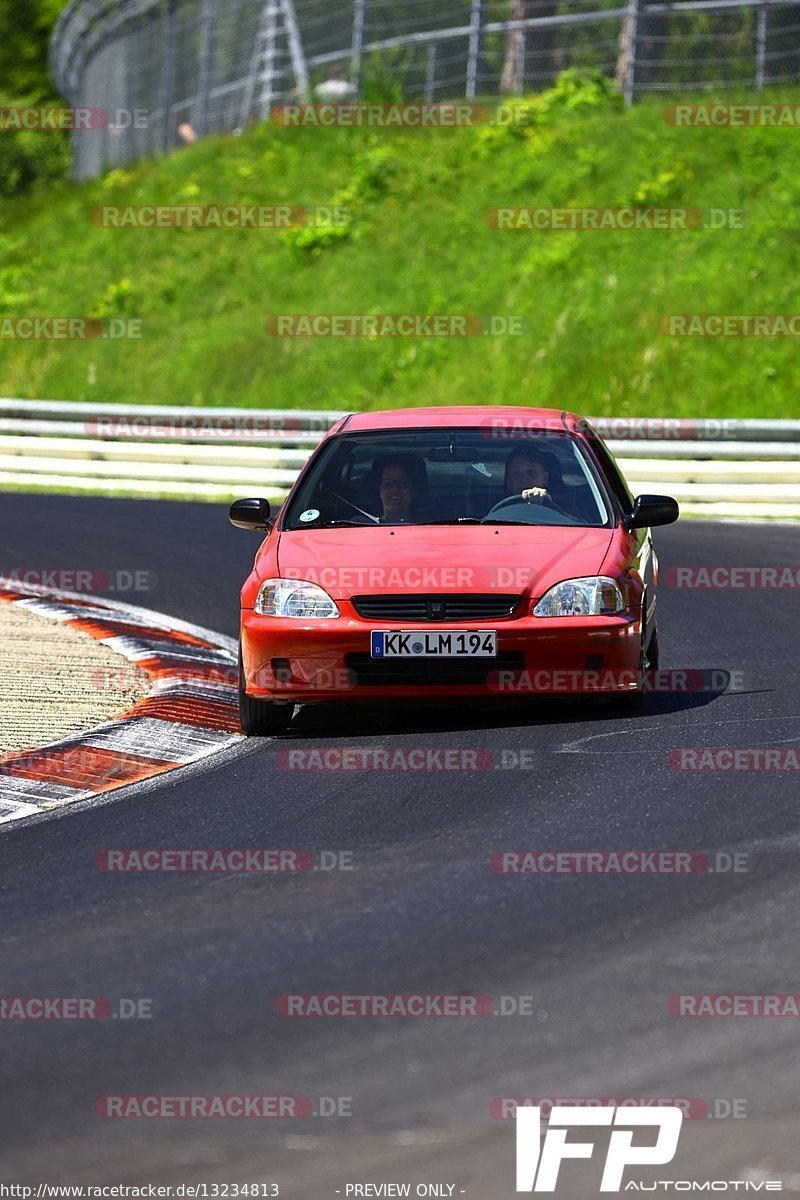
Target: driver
[527,476]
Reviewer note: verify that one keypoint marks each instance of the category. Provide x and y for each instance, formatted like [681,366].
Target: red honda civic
[450,553]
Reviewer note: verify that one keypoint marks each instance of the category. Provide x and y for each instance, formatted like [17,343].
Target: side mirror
[250,514]
[651,510]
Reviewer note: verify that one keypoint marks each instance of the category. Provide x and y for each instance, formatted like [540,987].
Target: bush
[28,156]
[380,83]
[371,173]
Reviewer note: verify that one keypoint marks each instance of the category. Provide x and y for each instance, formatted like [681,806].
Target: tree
[28,156]
[520,44]
[24,36]
[510,80]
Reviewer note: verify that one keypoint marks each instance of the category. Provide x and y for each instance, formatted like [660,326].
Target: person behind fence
[334,89]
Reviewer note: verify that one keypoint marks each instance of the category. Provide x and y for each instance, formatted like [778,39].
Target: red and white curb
[191,710]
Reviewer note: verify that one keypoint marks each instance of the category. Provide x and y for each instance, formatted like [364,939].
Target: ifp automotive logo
[539,1160]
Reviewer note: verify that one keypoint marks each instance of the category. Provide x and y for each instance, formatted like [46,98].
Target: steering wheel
[517,500]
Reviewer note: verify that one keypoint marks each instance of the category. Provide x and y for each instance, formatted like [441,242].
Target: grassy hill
[419,242]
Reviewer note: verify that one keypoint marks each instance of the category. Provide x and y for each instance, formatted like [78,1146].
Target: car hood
[447,558]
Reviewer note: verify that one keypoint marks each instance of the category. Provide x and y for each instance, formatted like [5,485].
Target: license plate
[418,643]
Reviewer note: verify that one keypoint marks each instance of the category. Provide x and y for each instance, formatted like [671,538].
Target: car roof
[461,416]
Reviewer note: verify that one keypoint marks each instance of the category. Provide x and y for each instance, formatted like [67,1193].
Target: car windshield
[438,477]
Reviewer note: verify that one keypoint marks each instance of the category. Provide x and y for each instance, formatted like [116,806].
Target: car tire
[652,652]
[261,718]
[630,702]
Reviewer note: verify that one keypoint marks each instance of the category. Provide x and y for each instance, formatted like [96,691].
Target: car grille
[416,672]
[490,607]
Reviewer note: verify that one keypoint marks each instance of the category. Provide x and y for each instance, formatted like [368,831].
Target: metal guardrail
[735,468]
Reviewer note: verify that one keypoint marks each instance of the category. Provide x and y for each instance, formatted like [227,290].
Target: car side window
[611,472]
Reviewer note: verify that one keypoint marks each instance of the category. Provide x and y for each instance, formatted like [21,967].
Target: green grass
[418,243]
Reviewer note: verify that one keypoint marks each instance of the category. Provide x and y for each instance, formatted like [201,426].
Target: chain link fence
[171,70]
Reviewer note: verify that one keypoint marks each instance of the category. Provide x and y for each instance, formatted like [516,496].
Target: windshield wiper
[456,521]
[371,518]
[331,524]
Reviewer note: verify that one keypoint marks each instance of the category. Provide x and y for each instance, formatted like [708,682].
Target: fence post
[142,136]
[168,73]
[474,48]
[761,46]
[430,72]
[210,15]
[519,71]
[628,44]
[296,52]
[359,17]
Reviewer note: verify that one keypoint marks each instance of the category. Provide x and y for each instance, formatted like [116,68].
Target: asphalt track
[421,910]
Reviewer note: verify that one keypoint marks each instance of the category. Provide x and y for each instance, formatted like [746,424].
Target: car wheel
[260,718]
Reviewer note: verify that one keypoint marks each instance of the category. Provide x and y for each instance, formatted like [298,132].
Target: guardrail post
[628,45]
[761,46]
[359,19]
[474,47]
[168,73]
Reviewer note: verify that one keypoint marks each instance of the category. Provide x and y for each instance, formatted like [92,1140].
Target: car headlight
[596,596]
[294,598]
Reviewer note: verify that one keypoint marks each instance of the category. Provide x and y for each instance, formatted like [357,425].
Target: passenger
[401,489]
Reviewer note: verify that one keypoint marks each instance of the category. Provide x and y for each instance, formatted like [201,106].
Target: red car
[449,553]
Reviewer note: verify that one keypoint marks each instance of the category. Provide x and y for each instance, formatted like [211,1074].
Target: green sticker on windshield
[310,514]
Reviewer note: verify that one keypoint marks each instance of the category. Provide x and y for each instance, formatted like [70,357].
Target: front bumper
[305,662]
